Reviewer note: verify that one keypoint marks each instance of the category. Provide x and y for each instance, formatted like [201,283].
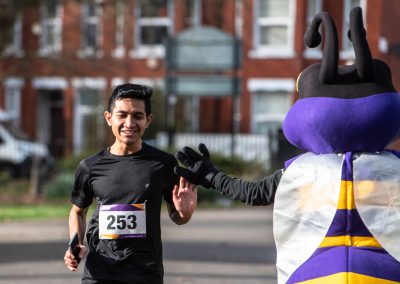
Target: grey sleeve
[255,193]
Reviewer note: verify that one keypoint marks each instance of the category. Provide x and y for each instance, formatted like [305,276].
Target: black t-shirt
[141,178]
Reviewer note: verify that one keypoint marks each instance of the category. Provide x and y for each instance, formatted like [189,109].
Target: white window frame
[45,48]
[15,46]
[13,86]
[49,83]
[286,51]
[347,51]
[239,18]
[158,83]
[153,50]
[316,52]
[119,50]
[270,85]
[89,51]
[196,13]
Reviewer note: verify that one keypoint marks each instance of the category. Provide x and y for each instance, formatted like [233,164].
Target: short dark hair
[131,91]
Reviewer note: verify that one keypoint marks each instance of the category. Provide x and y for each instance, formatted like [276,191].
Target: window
[313,8]
[15,46]
[271,100]
[91,28]
[153,25]
[12,100]
[119,50]
[347,46]
[51,27]
[270,108]
[88,132]
[273,28]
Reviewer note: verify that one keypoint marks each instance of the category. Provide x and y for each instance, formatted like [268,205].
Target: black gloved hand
[200,169]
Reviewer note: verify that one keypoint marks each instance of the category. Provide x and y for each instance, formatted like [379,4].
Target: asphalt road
[217,246]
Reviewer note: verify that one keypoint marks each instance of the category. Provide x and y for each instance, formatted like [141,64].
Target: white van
[17,153]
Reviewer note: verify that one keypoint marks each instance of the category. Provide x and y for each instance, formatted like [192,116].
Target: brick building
[66,56]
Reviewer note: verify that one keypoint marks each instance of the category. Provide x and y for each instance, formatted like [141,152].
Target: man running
[128,180]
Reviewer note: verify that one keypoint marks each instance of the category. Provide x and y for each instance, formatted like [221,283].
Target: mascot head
[343,108]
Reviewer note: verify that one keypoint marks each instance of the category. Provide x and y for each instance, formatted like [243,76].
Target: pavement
[218,246]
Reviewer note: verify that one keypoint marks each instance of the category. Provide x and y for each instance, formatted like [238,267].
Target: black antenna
[357,34]
[329,66]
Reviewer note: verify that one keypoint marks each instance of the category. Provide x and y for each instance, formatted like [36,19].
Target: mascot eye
[297,82]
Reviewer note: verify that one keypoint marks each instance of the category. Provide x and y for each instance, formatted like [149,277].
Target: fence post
[35,190]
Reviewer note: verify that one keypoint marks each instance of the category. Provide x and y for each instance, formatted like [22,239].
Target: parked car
[17,153]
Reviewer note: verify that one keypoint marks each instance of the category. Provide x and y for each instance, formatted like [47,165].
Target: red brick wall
[215,115]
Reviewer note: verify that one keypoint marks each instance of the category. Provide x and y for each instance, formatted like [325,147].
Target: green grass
[21,212]
[29,212]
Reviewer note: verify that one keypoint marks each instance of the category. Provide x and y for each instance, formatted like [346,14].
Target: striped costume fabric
[349,253]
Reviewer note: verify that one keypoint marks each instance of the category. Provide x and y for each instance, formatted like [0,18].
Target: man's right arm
[77,223]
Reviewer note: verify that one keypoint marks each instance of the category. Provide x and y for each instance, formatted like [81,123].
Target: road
[217,246]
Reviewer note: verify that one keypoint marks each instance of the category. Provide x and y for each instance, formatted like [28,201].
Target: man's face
[128,121]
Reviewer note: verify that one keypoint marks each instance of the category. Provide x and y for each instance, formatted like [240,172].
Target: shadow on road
[218,276]
[194,251]
[219,252]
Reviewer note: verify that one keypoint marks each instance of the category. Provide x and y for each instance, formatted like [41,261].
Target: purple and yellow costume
[336,207]
[342,228]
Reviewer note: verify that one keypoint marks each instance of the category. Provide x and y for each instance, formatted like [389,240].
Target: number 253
[121,222]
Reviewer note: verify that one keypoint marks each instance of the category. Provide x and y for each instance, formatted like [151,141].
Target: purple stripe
[120,207]
[128,236]
[367,261]
[348,222]
[347,169]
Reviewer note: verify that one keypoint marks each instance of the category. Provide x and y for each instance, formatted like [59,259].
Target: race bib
[121,221]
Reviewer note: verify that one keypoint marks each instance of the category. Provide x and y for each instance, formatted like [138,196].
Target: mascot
[336,207]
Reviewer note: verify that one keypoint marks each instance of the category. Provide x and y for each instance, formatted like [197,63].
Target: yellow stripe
[140,206]
[350,241]
[346,198]
[109,236]
[347,277]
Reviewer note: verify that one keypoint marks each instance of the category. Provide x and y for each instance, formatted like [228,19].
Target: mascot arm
[253,193]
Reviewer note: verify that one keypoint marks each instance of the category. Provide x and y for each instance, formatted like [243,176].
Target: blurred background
[223,71]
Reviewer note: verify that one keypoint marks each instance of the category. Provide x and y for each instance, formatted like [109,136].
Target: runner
[128,180]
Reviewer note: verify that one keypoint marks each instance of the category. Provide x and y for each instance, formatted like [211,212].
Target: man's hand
[185,200]
[70,262]
[199,168]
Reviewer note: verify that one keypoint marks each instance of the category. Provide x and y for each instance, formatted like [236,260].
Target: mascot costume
[336,207]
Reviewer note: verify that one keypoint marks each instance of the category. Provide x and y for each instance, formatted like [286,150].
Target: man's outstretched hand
[199,168]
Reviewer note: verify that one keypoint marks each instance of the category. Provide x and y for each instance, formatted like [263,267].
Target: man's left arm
[184,201]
